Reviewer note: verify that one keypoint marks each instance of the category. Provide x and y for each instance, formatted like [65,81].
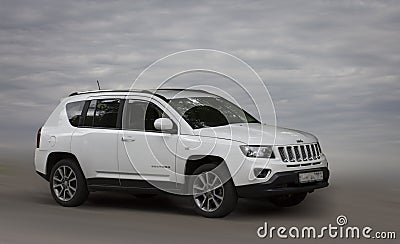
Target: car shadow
[124,201]
[166,203]
[246,209]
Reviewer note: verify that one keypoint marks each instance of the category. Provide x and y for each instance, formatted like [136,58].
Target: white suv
[187,142]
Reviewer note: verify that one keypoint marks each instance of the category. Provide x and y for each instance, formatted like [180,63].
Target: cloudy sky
[332,67]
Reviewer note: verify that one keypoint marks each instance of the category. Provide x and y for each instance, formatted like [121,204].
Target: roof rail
[100,91]
[149,91]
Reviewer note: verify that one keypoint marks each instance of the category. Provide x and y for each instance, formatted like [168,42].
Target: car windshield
[201,112]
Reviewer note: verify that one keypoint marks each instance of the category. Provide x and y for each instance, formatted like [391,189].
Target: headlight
[258,151]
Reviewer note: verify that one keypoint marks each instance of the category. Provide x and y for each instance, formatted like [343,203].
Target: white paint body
[162,156]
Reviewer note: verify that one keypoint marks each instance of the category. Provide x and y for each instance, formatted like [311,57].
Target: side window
[140,115]
[90,114]
[74,112]
[102,113]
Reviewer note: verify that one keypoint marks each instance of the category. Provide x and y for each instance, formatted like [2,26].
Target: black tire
[144,196]
[81,190]
[229,194]
[288,200]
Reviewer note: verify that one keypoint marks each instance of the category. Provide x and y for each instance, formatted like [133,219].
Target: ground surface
[28,214]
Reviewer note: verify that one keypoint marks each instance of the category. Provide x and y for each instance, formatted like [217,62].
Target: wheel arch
[55,157]
[195,161]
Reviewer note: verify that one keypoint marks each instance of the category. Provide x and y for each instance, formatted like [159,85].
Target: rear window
[74,112]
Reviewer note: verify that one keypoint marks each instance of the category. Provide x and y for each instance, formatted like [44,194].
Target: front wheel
[68,184]
[212,198]
[288,200]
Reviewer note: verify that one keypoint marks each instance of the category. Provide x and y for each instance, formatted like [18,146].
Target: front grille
[300,153]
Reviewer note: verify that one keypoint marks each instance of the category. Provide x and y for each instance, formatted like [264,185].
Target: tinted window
[90,114]
[102,113]
[74,112]
[140,115]
[202,112]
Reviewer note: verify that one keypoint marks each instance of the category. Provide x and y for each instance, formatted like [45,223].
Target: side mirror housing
[163,124]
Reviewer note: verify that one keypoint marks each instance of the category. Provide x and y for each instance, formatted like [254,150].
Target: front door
[145,154]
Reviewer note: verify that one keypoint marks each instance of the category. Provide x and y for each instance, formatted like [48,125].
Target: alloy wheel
[208,191]
[64,183]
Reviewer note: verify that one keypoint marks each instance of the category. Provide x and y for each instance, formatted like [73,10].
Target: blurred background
[331,67]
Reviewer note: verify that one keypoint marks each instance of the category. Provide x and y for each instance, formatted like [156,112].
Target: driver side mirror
[163,124]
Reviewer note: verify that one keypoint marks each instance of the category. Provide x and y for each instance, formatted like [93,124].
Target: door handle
[128,139]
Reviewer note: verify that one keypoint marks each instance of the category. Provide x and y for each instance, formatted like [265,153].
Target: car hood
[257,134]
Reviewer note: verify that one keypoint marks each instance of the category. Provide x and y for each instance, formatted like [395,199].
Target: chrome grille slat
[303,153]
[318,152]
[282,153]
[297,153]
[309,152]
[314,154]
[290,153]
[300,153]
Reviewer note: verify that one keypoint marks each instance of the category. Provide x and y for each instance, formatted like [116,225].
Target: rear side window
[90,114]
[102,113]
[74,112]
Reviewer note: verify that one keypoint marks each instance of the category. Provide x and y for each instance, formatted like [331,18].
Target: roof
[164,93]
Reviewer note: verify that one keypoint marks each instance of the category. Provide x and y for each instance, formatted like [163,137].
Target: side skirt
[133,186]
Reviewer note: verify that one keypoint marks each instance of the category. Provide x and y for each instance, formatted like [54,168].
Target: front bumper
[283,183]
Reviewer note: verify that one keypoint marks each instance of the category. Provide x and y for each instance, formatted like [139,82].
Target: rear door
[95,141]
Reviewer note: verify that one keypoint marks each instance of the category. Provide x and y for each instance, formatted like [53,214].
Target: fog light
[261,173]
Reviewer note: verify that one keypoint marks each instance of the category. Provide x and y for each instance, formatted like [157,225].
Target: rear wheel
[288,200]
[68,184]
[212,197]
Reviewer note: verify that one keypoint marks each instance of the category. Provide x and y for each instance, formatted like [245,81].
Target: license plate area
[311,177]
